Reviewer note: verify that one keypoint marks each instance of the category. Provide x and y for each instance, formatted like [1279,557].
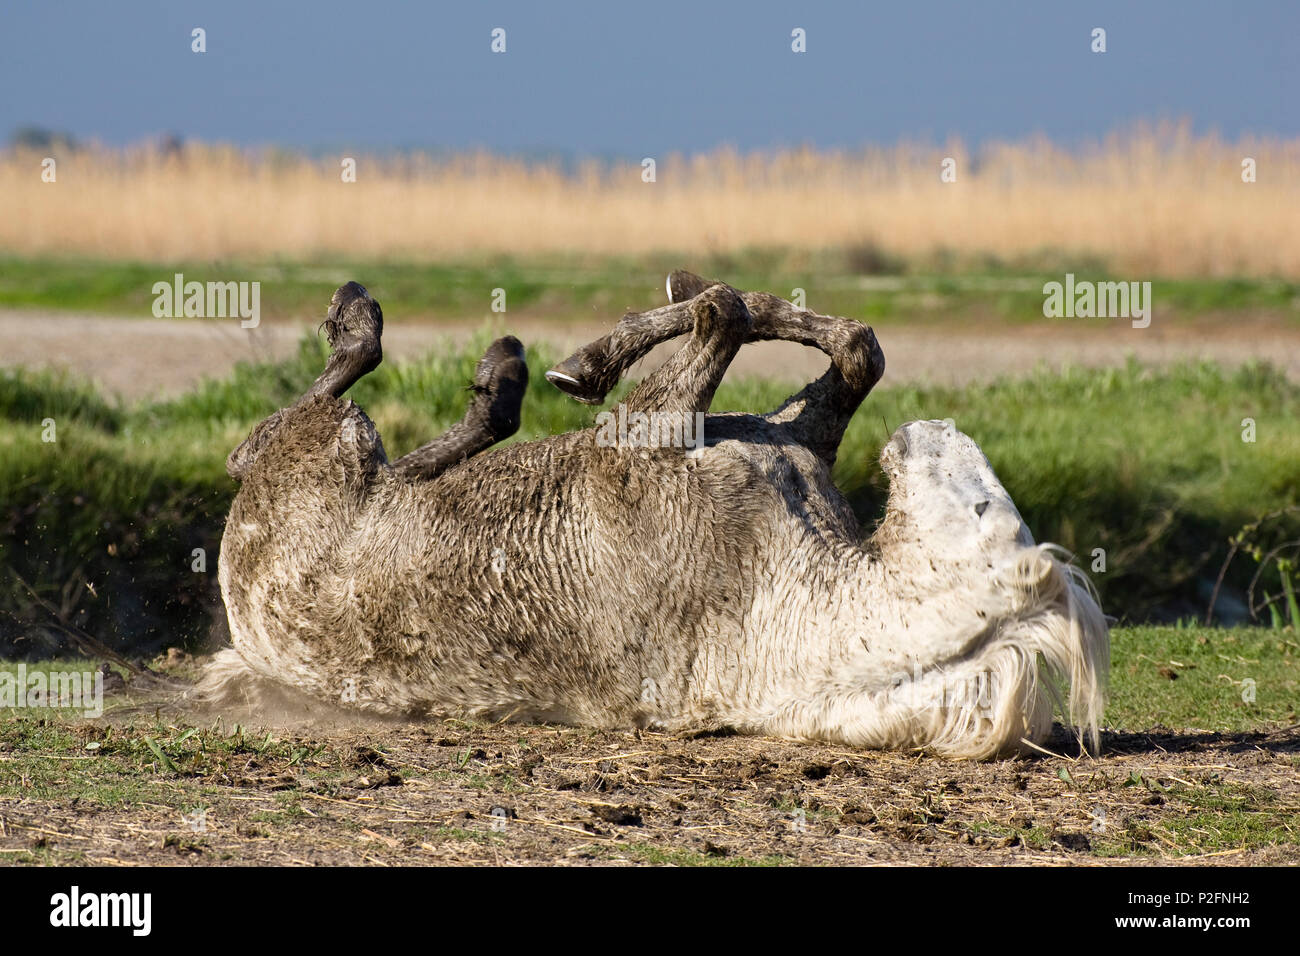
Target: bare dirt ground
[137,357]
[450,792]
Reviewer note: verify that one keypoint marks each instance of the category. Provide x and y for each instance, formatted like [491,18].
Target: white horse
[609,584]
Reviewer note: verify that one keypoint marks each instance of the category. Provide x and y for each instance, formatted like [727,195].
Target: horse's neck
[852,616]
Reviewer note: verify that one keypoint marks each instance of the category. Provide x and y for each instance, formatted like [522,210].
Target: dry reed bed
[1156,202]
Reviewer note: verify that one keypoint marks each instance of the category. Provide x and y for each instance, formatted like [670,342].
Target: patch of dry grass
[1149,202]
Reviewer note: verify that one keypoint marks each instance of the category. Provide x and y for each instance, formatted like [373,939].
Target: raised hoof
[683,285]
[355,322]
[354,326]
[574,376]
[500,381]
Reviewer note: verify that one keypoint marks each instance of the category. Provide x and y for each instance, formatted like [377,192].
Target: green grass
[682,856]
[1147,465]
[1194,678]
[849,282]
[121,764]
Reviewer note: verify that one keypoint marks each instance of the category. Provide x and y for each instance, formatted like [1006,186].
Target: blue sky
[620,79]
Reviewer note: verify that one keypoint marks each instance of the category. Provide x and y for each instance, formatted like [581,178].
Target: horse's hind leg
[354,325]
[493,415]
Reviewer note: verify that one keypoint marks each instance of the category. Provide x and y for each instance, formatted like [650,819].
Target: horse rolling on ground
[627,583]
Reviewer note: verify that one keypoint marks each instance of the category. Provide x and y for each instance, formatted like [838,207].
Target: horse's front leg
[687,382]
[816,417]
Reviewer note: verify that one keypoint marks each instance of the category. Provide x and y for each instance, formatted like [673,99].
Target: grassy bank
[858,281]
[103,523]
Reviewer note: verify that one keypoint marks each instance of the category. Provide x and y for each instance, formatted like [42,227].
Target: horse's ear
[683,285]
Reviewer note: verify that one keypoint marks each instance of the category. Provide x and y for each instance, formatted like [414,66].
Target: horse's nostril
[980,508]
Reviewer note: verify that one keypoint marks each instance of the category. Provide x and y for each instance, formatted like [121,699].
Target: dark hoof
[500,381]
[683,285]
[354,322]
[503,361]
[572,387]
[579,376]
[353,325]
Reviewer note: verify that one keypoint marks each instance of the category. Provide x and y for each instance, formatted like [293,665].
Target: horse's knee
[720,313]
[859,356]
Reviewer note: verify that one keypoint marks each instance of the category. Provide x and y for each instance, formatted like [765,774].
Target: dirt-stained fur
[570,580]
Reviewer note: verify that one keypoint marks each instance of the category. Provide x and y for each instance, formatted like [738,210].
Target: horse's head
[989,603]
[943,493]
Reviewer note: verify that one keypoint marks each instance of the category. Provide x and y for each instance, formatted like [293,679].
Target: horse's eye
[981,508]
